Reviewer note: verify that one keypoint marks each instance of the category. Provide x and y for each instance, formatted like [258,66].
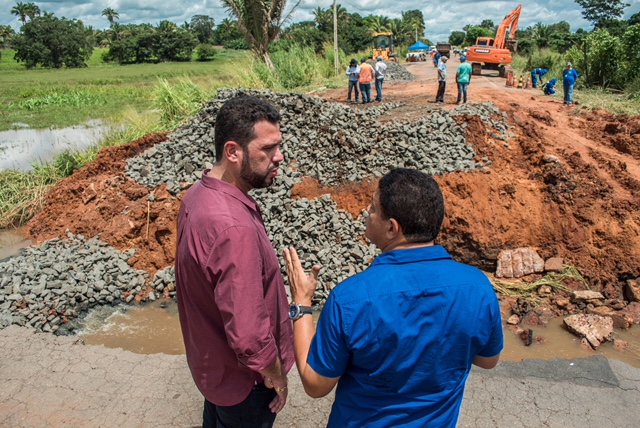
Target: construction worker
[549,87]
[537,74]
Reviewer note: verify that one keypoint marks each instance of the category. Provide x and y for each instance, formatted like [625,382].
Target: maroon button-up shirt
[231,297]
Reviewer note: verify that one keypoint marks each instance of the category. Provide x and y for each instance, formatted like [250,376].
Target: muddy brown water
[150,328]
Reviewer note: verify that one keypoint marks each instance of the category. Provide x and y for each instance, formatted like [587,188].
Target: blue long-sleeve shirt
[569,76]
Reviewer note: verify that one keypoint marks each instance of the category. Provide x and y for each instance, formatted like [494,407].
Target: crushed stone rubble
[331,142]
[45,286]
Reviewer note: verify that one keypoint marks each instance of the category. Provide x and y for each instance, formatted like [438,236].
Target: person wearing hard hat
[381,72]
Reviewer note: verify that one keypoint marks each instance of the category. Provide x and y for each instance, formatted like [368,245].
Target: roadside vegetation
[150,78]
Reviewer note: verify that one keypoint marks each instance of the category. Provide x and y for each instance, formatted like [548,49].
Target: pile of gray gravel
[46,285]
[331,142]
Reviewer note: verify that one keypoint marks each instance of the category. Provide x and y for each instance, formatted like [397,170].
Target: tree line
[608,55]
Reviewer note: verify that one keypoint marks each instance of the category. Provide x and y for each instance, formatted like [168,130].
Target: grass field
[42,98]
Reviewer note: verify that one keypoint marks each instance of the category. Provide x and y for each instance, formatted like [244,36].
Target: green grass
[43,98]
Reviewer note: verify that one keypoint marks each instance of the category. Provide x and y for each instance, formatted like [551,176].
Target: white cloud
[441,18]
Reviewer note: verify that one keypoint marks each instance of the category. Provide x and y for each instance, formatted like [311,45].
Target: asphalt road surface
[59,381]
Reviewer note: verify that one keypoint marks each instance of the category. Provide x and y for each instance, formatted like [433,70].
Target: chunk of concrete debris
[594,328]
[586,295]
[554,264]
[620,320]
[513,319]
[632,290]
[518,263]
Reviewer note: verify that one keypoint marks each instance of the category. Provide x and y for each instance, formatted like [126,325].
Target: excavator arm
[510,23]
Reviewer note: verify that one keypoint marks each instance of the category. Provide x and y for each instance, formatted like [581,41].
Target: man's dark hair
[237,118]
[414,199]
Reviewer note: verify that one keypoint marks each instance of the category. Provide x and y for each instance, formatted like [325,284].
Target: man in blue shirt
[569,76]
[538,74]
[399,338]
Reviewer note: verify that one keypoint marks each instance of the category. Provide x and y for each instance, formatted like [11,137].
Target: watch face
[294,312]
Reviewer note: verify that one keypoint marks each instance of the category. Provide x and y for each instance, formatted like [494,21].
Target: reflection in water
[20,148]
[147,329]
[151,329]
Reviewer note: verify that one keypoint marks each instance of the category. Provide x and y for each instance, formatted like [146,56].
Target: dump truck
[383,46]
[494,53]
[444,48]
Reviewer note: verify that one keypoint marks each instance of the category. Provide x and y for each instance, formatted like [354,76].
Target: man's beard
[254,179]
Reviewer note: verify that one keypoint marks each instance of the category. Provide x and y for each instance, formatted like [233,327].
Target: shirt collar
[229,189]
[410,255]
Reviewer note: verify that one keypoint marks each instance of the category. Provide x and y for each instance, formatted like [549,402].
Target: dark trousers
[253,412]
[441,88]
[365,91]
[353,85]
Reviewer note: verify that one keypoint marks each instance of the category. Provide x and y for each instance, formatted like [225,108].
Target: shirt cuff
[261,359]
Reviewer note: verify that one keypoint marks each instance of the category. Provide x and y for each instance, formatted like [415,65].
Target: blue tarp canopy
[419,46]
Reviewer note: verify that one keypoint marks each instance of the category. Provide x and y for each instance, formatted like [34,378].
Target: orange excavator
[494,53]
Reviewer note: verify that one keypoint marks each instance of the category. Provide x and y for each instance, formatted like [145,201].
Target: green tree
[634,19]
[21,10]
[6,36]
[488,23]
[474,32]
[203,26]
[600,57]
[111,15]
[600,11]
[53,43]
[402,32]
[457,38]
[415,20]
[377,23]
[173,43]
[260,23]
[631,51]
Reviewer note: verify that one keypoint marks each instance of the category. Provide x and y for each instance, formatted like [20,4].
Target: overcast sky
[441,18]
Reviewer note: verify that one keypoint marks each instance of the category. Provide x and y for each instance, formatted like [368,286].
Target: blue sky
[440,17]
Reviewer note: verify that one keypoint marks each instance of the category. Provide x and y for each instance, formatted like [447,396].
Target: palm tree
[260,22]
[21,11]
[377,23]
[111,15]
[32,10]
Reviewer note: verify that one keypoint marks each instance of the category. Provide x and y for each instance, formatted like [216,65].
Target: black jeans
[253,412]
[353,85]
[441,88]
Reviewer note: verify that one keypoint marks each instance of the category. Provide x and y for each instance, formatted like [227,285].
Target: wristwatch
[297,311]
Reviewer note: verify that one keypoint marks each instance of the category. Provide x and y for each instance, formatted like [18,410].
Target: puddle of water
[145,329]
[150,329]
[558,342]
[12,241]
[20,148]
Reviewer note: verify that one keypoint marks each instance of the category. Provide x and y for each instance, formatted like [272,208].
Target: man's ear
[231,151]
[394,229]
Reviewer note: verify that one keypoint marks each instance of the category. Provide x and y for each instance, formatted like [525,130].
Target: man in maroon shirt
[231,297]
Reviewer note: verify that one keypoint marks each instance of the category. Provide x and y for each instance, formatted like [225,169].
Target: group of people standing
[463,78]
[569,77]
[362,76]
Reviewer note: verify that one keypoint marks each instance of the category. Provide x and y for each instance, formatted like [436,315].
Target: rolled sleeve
[240,296]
